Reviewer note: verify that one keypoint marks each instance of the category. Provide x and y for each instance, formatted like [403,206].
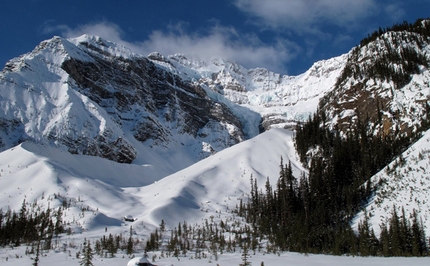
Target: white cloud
[308,15]
[219,42]
[106,30]
[222,42]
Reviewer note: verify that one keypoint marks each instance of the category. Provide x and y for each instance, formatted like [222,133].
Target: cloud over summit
[217,42]
[279,35]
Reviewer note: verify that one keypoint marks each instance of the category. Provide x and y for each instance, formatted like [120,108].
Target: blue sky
[285,36]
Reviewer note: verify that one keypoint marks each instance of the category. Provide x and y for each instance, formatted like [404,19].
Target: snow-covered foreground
[102,192]
[293,259]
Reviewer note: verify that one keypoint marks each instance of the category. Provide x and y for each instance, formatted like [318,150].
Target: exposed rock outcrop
[107,92]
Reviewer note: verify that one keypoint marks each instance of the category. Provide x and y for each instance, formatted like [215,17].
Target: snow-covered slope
[106,199]
[404,183]
[37,172]
[218,182]
[110,190]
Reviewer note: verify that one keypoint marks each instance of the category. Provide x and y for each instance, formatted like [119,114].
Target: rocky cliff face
[94,97]
[385,83]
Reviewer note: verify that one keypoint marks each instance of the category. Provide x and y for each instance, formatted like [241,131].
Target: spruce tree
[87,259]
[130,242]
[394,233]
[162,226]
[245,256]
[368,243]
[419,245]
[36,259]
[385,242]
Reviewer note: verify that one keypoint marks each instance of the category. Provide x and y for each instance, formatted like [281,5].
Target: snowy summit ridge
[94,97]
[280,99]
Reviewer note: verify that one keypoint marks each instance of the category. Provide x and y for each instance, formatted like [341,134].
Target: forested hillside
[315,212]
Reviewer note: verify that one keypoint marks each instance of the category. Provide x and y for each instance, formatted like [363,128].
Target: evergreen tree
[385,241]
[245,256]
[36,258]
[87,259]
[405,235]
[368,243]
[162,226]
[130,242]
[419,244]
[59,228]
[394,234]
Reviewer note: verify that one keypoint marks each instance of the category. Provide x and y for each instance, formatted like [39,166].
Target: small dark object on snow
[129,218]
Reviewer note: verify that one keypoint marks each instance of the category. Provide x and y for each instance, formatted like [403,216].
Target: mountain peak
[102,46]
[94,97]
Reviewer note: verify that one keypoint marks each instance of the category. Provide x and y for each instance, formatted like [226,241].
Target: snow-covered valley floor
[293,259]
[101,192]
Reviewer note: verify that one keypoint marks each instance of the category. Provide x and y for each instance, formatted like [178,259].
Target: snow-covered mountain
[73,111]
[97,98]
[93,97]
[174,138]
[281,100]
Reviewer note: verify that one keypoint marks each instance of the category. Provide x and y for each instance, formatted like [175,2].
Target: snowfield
[115,190]
[294,259]
[111,190]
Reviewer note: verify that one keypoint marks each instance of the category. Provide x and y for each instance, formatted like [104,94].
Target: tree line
[31,224]
[314,213]
[296,216]
[420,26]
[392,60]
